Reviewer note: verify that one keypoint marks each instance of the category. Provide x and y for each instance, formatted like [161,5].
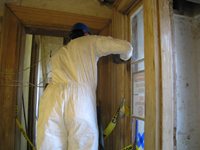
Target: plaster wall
[49,46]
[187,46]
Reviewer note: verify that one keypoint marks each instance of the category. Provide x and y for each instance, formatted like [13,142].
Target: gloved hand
[116,59]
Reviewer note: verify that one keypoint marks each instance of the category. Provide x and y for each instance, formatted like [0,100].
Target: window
[138,79]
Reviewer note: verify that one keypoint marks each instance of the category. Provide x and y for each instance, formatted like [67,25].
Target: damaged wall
[187,39]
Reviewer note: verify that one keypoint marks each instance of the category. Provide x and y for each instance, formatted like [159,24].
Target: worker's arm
[108,45]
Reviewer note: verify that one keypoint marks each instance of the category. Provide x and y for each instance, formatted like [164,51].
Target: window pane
[138,67]
[138,134]
[138,80]
[137,29]
[138,94]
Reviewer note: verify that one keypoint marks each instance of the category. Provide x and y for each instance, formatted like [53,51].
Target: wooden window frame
[159,69]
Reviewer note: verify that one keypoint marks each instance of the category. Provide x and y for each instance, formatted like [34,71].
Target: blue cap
[79,26]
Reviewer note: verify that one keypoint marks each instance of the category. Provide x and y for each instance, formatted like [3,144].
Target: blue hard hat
[79,26]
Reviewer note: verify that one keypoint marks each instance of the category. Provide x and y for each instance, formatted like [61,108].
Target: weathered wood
[153,71]
[38,18]
[10,51]
[158,68]
[165,26]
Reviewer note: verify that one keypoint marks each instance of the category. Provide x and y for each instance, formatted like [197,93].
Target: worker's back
[76,62]
[67,112]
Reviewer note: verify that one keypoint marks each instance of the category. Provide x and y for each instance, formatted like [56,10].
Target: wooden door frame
[15,20]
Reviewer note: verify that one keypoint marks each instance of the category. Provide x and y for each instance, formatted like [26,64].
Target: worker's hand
[116,59]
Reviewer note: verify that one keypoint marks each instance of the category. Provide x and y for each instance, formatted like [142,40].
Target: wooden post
[158,70]
[9,63]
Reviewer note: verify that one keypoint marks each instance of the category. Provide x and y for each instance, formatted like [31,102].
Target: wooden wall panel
[105,87]
[114,84]
[56,20]
[9,62]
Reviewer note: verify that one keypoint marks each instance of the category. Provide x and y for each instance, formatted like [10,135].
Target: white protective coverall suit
[67,110]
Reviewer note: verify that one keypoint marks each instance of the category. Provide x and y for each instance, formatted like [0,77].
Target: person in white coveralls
[67,109]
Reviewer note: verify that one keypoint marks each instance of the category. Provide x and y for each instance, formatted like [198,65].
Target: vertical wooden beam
[158,68]
[165,26]
[9,62]
[153,91]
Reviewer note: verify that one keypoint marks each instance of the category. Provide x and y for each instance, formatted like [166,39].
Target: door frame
[17,21]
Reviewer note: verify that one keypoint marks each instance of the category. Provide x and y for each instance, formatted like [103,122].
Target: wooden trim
[130,6]
[47,32]
[138,118]
[137,61]
[153,90]
[137,5]
[165,26]
[122,4]
[39,18]
[10,55]
[116,4]
[126,6]
[158,67]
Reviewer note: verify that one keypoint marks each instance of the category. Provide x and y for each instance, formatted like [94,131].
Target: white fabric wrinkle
[83,73]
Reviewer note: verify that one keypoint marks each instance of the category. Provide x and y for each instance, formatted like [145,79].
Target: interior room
[158,87]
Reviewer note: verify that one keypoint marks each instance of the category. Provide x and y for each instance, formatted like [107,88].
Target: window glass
[137,36]
[138,80]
